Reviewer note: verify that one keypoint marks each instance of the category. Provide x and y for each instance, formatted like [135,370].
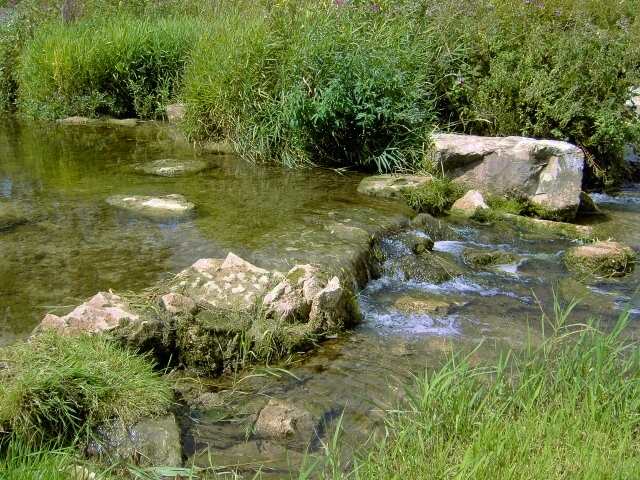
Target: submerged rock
[601,259]
[280,420]
[549,227]
[150,442]
[171,167]
[425,268]
[469,204]
[77,120]
[487,258]
[11,216]
[122,122]
[161,207]
[421,305]
[546,172]
[391,186]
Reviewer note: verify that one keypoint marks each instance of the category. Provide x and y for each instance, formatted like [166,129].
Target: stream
[72,244]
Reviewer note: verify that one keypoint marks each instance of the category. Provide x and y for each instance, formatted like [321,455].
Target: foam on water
[603,198]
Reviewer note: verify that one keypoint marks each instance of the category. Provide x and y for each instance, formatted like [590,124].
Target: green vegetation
[435,197]
[58,388]
[357,83]
[564,409]
[134,70]
[303,83]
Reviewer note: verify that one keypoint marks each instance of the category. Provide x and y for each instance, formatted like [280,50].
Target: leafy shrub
[303,84]
[557,69]
[132,70]
[59,388]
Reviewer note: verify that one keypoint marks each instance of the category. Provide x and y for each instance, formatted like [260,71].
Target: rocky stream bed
[363,288]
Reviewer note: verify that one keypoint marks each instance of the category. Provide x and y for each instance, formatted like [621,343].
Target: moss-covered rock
[549,227]
[427,268]
[11,216]
[601,259]
[392,186]
[487,258]
[171,167]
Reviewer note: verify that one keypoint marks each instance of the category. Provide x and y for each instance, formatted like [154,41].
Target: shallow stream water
[74,244]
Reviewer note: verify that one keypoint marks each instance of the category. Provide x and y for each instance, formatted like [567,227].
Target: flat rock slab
[391,186]
[161,207]
[547,172]
[231,283]
[171,167]
[549,227]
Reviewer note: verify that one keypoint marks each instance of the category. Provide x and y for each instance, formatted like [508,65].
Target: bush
[557,69]
[303,84]
[122,67]
[57,388]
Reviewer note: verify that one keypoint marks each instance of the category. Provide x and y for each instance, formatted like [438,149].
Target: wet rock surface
[162,207]
[171,167]
[488,258]
[12,216]
[548,173]
[391,186]
[104,312]
[601,259]
[150,442]
[284,420]
[469,204]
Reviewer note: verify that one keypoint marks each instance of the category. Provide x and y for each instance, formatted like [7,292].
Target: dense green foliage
[338,86]
[565,409]
[353,83]
[134,70]
[57,388]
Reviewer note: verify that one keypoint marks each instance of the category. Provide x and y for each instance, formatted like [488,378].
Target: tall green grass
[567,408]
[122,66]
[304,83]
[58,389]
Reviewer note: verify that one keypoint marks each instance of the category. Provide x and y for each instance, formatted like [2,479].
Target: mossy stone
[487,258]
[601,259]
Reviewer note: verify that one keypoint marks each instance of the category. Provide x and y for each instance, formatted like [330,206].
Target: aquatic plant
[59,388]
[566,408]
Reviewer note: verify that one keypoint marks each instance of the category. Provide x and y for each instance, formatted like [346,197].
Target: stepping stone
[171,167]
[161,207]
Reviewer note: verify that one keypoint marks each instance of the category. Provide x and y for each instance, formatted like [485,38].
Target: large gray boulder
[546,172]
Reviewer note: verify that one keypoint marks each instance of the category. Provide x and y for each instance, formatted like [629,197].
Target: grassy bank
[55,391]
[565,409]
[356,83]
